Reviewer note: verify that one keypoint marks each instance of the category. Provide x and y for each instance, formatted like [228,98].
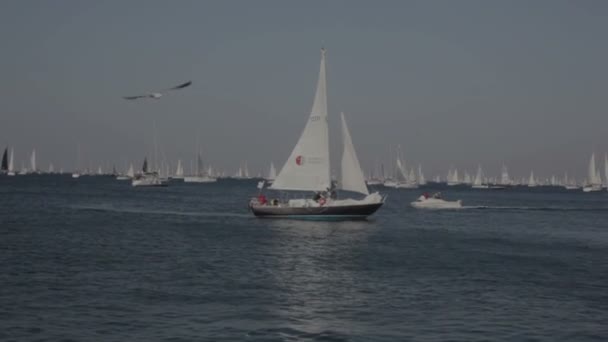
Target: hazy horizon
[454,83]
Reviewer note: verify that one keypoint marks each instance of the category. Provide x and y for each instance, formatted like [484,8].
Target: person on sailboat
[262,199]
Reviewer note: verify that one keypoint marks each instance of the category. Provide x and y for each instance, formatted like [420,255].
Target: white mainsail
[308,168]
[131,172]
[11,162]
[478,177]
[179,172]
[593,174]
[272,174]
[421,179]
[532,180]
[606,170]
[33,161]
[504,177]
[352,176]
[401,174]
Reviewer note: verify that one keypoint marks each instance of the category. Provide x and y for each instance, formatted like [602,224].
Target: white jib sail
[352,176]
[308,168]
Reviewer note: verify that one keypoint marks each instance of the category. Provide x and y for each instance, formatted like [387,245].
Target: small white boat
[435,202]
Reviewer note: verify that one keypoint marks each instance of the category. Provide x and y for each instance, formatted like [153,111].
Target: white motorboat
[435,202]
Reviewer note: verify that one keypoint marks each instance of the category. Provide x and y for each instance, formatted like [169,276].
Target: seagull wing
[135,97]
[181,86]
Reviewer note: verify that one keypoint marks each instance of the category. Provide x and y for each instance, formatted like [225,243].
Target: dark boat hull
[346,212]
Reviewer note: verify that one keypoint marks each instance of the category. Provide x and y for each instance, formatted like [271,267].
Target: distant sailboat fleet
[308,170]
[400,176]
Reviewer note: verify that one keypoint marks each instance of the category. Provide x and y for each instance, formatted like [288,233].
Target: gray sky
[454,82]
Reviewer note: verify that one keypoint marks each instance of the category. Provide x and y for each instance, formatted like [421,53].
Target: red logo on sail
[299,160]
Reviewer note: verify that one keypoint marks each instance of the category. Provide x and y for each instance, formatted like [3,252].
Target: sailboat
[453,178]
[127,176]
[421,179]
[594,180]
[179,171]
[403,179]
[4,166]
[147,178]
[478,181]
[272,174]
[33,162]
[76,173]
[373,179]
[308,168]
[570,184]
[505,180]
[532,181]
[11,164]
[131,171]
[606,171]
[200,175]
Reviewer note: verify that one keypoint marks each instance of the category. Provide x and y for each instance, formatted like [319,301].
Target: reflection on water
[315,270]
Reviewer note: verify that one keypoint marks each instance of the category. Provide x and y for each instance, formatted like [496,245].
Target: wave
[109,208]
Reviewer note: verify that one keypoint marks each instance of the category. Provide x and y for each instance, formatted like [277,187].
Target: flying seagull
[158,95]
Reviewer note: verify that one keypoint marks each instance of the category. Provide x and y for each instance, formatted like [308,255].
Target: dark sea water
[94,259]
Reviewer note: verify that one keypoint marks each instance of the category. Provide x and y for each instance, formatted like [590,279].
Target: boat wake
[525,208]
[109,208]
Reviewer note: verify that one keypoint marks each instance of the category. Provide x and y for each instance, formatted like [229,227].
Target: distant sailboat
[308,168]
[34,169]
[594,180]
[76,173]
[421,179]
[4,166]
[131,171]
[200,175]
[147,178]
[453,177]
[403,179]
[11,164]
[272,174]
[478,182]
[532,181]
[606,171]
[179,171]
[505,180]
[570,184]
